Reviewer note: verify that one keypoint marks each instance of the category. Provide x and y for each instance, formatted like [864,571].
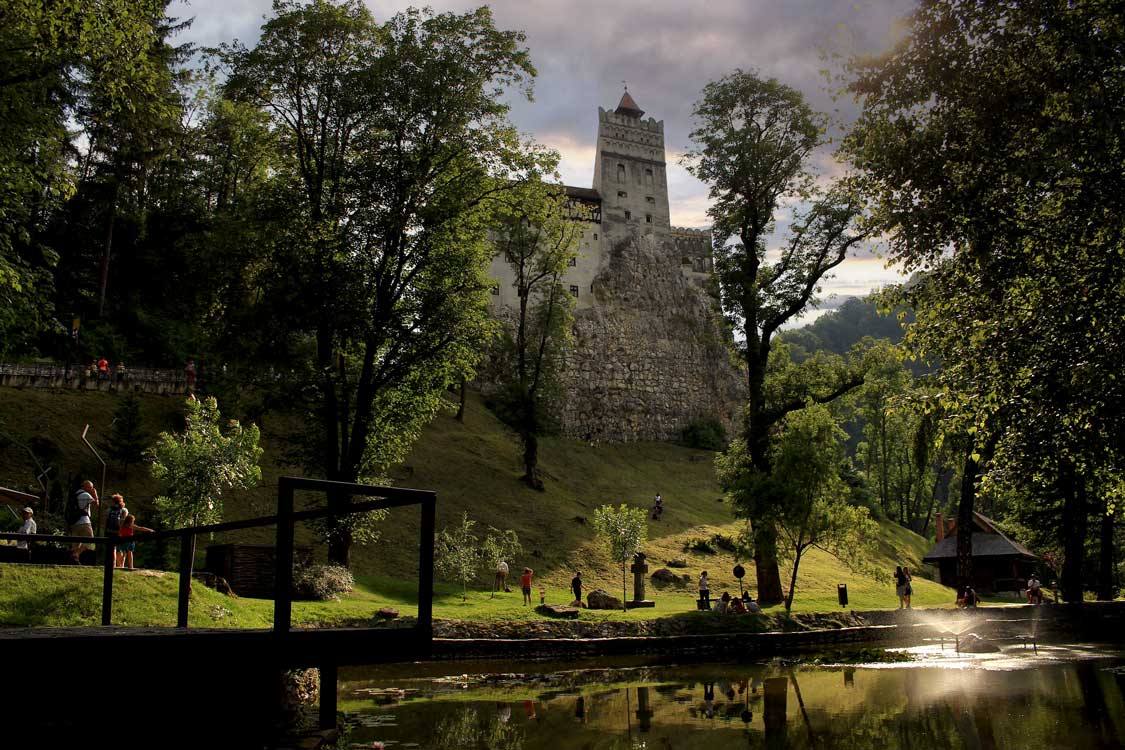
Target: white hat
[29,510]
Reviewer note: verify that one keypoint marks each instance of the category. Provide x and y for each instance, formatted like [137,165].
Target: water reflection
[1054,703]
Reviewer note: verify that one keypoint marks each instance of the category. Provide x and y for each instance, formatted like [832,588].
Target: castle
[647,356]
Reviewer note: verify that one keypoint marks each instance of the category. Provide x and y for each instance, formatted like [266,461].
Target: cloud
[666,49]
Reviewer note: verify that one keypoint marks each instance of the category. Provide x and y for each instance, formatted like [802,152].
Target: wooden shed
[999,562]
[248,568]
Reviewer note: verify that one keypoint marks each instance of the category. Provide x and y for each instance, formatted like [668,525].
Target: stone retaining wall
[59,377]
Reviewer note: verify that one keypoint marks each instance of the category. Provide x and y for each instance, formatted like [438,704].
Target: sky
[666,50]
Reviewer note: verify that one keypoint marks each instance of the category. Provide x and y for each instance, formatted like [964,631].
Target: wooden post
[107,584]
[185,579]
[426,572]
[328,679]
[283,559]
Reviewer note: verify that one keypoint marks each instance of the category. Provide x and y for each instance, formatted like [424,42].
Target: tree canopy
[991,142]
[754,138]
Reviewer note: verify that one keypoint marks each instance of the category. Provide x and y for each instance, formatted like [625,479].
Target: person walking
[657,507]
[900,586]
[113,517]
[576,586]
[78,517]
[909,590]
[704,591]
[525,584]
[28,527]
[501,582]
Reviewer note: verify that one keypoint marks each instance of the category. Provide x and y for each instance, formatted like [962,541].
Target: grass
[474,467]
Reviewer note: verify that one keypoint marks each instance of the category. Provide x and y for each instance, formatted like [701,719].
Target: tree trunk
[792,583]
[461,406]
[965,520]
[624,589]
[765,564]
[531,460]
[1106,589]
[1073,532]
[103,275]
[340,548]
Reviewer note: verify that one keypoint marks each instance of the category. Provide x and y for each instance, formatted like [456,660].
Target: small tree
[812,512]
[196,466]
[127,439]
[459,554]
[623,530]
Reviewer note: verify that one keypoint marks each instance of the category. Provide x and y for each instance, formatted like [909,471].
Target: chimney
[940,527]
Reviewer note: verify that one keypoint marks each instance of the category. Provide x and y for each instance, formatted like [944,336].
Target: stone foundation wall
[649,357]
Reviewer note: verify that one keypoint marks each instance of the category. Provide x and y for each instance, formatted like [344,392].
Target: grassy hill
[474,467]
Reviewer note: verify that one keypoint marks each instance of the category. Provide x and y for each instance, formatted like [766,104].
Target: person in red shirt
[525,584]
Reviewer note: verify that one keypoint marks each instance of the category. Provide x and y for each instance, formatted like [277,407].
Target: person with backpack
[78,517]
[117,511]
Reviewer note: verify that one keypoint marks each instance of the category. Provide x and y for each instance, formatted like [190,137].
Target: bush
[702,546]
[706,433]
[322,582]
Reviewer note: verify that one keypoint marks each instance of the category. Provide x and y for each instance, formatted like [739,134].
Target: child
[525,584]
[117,511]
[128,526]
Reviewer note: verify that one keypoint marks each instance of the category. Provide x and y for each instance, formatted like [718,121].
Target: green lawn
[474,467]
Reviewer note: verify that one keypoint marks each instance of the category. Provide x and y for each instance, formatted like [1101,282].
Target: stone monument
[638,569]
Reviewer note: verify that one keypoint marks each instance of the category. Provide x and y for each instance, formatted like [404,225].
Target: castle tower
[630,173]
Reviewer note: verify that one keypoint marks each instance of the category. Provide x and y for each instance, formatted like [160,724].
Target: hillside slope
[474,467]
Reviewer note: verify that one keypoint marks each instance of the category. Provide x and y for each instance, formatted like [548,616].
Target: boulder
[557,610]
[663,575]
[677,563]
[386,613]
[598,599]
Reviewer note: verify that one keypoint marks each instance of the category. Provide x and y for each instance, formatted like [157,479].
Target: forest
[309,218]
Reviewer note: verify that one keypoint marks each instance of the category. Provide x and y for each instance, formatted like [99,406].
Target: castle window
[628,214]
[650,200]
[572,262]
[621,173]
[648,177]
[573,291]
[595,235]
[648,218]
[622,194]
[495,290]
[685,261]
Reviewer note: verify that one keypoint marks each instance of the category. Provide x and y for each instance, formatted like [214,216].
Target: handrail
[389,497]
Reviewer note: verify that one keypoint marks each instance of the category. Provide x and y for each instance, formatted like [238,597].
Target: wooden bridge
[222,664]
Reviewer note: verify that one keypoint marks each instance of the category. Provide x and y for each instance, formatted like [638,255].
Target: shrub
[702,546]
[322,582]
[705,433]
[725,543]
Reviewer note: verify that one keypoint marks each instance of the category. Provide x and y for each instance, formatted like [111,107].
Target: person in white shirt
[704,591]
[83,526]
[501,577]
[28,527]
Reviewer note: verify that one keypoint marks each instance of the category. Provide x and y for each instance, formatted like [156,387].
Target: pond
[1057,696]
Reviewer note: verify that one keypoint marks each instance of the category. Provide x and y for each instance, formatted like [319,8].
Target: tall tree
[536,241]
[990,140]
[754,139]
[394,140]
[56,58]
